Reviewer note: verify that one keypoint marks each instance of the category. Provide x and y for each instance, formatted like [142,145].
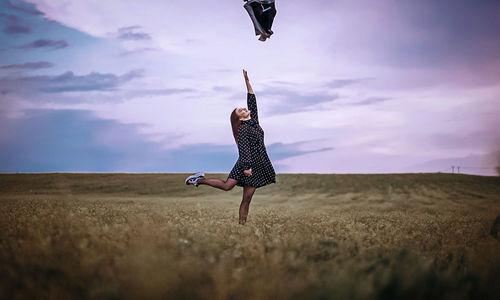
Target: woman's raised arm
[251,100]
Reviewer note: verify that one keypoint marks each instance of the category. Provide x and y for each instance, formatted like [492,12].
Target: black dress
[252,152]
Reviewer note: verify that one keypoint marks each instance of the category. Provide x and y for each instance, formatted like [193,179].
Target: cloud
[45,43]
[13,26]
[371,100]
[155,92]
[448,34]
[130,33]
[339,83]
[17,29]
[290,101]
[281,151]
[466,30]
[23,7]
[28,66]
[66,82]
[137,51]
[219,88]
[76,140]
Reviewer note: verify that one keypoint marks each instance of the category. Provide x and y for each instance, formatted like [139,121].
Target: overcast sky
[342,86]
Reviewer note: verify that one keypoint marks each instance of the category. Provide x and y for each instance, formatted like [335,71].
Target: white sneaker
[193,179]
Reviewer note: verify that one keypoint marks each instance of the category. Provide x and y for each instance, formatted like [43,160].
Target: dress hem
[257,186]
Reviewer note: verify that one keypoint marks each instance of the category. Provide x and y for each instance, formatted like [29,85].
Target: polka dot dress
[252,152]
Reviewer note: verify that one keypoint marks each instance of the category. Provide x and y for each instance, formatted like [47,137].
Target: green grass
[129,236]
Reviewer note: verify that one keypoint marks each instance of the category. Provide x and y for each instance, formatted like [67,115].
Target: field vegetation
[149,236]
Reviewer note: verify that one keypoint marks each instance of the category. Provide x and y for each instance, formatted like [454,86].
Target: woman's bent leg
[248,192]
[220,184]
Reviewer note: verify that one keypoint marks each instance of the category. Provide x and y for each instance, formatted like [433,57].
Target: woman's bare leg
[245,203]
[220,184]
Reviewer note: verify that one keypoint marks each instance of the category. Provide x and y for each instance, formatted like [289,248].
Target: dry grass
[127,236]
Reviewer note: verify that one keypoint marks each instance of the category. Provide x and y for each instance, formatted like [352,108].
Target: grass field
[149,236]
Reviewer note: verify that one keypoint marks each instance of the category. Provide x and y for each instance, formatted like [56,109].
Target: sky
[342,86]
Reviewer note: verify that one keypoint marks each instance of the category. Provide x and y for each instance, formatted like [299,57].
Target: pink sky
[342,86]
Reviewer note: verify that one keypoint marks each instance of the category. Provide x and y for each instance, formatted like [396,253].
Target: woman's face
[242,113]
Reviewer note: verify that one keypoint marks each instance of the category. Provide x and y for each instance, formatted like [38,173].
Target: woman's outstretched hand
[245,75]
[247,82]
[248,172]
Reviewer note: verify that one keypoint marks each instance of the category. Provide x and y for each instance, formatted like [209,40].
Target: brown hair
[235,123]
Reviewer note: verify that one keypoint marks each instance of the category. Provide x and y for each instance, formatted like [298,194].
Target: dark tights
[227,185]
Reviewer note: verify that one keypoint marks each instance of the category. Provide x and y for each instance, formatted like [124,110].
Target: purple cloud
[13,25]
[45,43]
[339,83]
[27,8]
[66,82]
[17,29]
[137,51]
[155,92]
[371,100]
[28,66]
[128,33]
[77,140]
[281,151]
[291,101]
[444,34]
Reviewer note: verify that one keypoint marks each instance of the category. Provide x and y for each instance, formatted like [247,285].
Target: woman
[253,168]
[262,13]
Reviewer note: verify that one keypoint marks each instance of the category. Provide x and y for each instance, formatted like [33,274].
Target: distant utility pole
[458,171]
[452,169]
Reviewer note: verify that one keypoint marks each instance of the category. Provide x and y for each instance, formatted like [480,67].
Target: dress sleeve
[252,107]
[245,154]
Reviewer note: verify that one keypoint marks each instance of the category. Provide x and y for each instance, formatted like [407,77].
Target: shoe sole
[192,176]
